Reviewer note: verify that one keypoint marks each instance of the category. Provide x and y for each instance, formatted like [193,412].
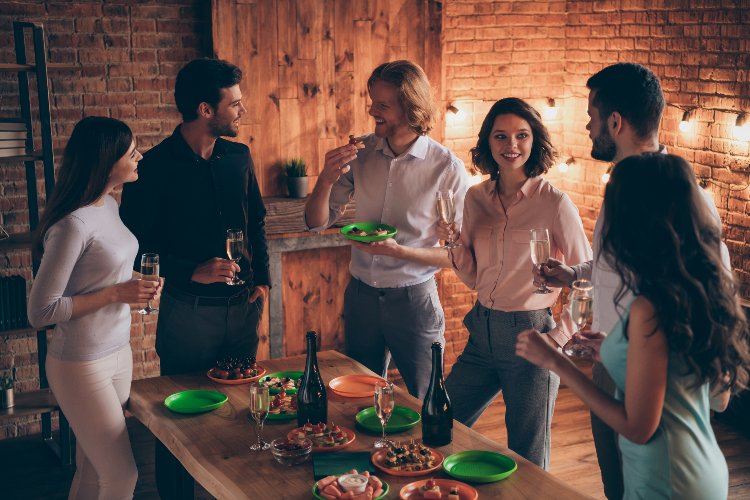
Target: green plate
[292,374]
[402,419]
[195,401]
[317,495]
[479,466]
[369,227]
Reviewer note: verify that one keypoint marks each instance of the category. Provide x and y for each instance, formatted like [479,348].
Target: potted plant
[6,391]
[295,171]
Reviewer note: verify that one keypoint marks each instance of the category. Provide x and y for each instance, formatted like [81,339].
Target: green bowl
[317,495]
[195,401]
[296,375]
[368,227]
[479,466]
[402,419]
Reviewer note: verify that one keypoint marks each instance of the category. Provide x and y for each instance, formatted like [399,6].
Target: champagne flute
[540,253]
[384,403]
[259,411]
[150,272]
[235,241]
[446,208]
[581,310]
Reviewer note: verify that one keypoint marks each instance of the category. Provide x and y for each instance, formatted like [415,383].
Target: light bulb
[742,128]
[549,112]
[685,122]
[563,167]
[605,177]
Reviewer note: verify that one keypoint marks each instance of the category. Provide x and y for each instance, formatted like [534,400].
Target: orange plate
[465,492]
[238,380]
[378,459]
[355,386]
[292,436]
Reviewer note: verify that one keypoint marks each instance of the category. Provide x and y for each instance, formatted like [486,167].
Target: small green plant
[295,168]
[6,381]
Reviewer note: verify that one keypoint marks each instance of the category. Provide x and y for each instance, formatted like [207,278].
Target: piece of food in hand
[357,141]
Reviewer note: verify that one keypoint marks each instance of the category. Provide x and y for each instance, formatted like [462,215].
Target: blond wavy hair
[414,92]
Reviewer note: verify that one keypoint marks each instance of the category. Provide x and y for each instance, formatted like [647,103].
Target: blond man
[391,302]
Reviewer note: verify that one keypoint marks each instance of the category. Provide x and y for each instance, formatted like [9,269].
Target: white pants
[92,395]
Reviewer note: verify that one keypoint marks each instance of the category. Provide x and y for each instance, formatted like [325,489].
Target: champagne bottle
[437,413]
[312,402]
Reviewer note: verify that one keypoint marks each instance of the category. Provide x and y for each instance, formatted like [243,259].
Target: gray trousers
[605,441]
[489,365]
[189,338]
[405,320]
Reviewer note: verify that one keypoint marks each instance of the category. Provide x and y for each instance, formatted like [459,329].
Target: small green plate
[195,401]
[402,419]
[296,375]
[369,227]
[479,466]
[316,493]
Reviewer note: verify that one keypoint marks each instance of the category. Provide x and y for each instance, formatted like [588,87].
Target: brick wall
[536,50]
[128,55]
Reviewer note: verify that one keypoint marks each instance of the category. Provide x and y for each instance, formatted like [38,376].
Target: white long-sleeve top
[85,251]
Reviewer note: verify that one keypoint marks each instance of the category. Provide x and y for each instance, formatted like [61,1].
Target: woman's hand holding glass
[581,311]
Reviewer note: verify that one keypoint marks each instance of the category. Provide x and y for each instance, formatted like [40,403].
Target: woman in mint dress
[681,346]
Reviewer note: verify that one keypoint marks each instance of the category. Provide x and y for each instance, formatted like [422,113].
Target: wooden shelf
[10,67]
[31,403]
[287,215]
[17,241]
[29,156]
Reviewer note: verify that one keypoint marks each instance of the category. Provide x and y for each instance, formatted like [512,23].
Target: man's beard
[603,147]
[222,129]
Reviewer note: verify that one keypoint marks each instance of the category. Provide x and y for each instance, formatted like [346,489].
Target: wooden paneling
[306,64]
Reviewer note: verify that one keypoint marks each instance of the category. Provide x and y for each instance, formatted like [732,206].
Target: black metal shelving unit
[40,401]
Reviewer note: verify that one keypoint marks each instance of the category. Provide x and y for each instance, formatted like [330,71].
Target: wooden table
[214,446]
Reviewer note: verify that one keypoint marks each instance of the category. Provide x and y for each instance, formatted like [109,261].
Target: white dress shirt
[399,191]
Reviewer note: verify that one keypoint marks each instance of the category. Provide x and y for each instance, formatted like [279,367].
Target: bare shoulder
[643,320]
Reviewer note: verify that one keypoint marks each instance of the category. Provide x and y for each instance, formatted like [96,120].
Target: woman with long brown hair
[84,287]
[681,345]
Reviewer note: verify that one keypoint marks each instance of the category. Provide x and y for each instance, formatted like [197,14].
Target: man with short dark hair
[194,186]
[625,108]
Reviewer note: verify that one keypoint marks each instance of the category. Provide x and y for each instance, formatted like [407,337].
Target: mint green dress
[682,459]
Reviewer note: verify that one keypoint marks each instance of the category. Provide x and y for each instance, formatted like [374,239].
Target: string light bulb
[742,127]
[685,122]
[549,112]
[565,166]
[455,114]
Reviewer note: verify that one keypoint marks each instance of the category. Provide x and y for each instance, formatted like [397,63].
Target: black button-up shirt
[182,205]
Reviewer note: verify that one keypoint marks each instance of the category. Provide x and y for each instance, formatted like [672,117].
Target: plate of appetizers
[407,458]
[479,466]
[195,401]
[436,489]
[332,487]
[283,406]
[324,437]
[287,381]
[355,386]
[368,231]
[402,419]
[233,371]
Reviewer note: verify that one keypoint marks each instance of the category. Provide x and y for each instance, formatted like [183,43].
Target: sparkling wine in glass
[150,272]
[540,253]
[384,403]
[446,208]
[259,402]
[581,310]
[235,242]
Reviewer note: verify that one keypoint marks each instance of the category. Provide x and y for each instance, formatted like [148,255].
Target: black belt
[199,300]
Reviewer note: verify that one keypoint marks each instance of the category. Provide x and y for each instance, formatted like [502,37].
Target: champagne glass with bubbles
[384,403]
[446,208]
[235,241]
[540,253]
[259,401]
[581,310]
[150,272]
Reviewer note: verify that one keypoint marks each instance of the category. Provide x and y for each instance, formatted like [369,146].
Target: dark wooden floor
[29,471]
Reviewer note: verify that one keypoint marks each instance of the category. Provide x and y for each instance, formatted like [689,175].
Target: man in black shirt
[192,188]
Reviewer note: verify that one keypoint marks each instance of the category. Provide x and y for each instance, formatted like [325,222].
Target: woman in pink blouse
[494,259]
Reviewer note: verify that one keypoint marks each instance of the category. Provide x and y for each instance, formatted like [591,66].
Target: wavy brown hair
[662,240]
[414,92]
[542,152]
[95,145]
